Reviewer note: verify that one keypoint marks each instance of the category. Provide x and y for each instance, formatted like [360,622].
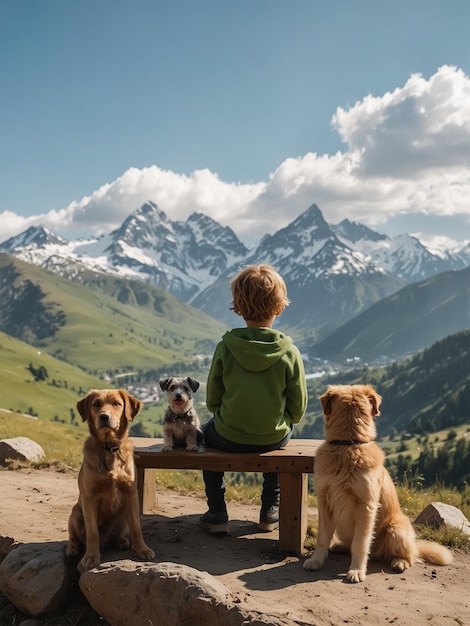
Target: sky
[246,110]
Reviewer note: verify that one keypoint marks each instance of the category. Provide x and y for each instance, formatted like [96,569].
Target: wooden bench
[293,462]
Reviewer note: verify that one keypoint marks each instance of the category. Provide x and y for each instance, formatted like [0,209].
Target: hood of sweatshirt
[257,349]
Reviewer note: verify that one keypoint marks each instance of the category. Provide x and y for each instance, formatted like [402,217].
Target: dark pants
[214,481]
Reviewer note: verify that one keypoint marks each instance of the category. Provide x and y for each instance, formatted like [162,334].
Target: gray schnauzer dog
[181,425]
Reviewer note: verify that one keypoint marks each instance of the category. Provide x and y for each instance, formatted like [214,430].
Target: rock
[437,513]
[36,577]
[20,449]
[6,545]
[126,593]
[7,614]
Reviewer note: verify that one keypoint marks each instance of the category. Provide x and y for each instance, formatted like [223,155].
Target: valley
[152,299]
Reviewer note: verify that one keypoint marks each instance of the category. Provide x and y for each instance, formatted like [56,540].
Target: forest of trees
[448,464]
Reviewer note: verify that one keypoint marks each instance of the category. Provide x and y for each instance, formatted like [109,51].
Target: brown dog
[357,499]
[107,511]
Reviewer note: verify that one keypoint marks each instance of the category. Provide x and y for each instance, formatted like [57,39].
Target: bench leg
[146,489]
[293,513]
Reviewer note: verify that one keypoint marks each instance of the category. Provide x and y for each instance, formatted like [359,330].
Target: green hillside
[110,326]
[422,394]
[61,443]
[410,320]
[61,338]
[36,383]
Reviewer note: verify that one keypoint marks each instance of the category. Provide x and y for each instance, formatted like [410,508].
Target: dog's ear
[192,383]
[326,400]
[131,405]
[375,399]
[164,383]
[84,405]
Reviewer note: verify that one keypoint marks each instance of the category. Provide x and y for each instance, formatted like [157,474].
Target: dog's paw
[356,576]
[146,554]
[399,564]
[167,448]
[123,543]
[89,561]
[192,447]
[73,548]
[313,563]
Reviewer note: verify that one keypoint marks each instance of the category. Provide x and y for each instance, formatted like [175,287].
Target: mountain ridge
[149,246]
[405,322]
[333,272]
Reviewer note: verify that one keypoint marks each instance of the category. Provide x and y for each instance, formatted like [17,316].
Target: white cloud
[12,224]
[418,129]
[177,195]
[408,152]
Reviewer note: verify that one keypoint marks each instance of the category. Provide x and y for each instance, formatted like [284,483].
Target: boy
[256,390]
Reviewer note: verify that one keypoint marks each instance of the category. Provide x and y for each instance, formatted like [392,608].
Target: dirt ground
[35,506]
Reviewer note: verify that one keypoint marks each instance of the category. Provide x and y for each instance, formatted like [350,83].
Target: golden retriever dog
[107,511]
[356,496]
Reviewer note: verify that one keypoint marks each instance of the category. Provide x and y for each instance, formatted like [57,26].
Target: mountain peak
[312,216]
[150,209]
[207,229]
[354,232]
[308,228]
[34,236]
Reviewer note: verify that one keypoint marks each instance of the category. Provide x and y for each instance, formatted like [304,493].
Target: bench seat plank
[297,456]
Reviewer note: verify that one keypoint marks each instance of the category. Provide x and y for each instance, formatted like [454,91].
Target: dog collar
[180,415]
[346,442]
[112,449]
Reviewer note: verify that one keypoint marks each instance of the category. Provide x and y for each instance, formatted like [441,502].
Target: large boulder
[36,577]
[127,593]
[437,514]
[20,449]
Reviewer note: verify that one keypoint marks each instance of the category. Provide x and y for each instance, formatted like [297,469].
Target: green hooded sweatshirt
[256,386]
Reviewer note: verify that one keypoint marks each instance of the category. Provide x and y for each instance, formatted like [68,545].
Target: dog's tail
[434,553]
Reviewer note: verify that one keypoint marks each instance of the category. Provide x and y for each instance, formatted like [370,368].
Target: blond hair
[258,293]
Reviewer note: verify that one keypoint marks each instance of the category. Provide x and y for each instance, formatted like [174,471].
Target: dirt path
[35,506]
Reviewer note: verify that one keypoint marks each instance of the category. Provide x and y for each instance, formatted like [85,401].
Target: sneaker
[214,522]
[269,518]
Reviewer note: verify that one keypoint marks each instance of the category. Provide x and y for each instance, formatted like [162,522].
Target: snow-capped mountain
[404,255]
[35,237]
[314,248]
[327,281]
[180,257]
[353,232]
[332,271]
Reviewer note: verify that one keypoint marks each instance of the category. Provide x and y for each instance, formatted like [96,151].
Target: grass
[55,398]
[52,398]
[62,443]
[190,482]
[413,499]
